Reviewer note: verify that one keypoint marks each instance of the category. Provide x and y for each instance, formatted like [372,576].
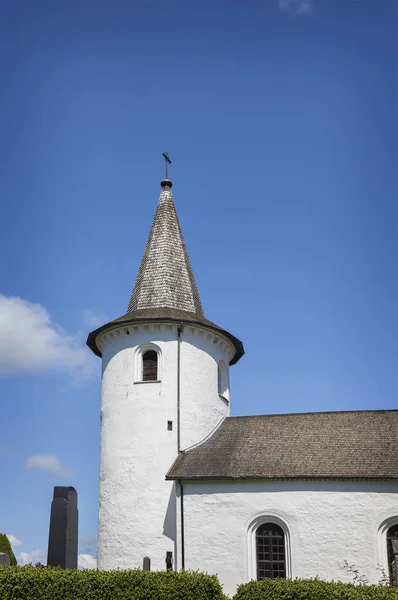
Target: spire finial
[166,182]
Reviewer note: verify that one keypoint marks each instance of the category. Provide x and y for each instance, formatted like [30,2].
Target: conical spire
[165,288]
[165,277]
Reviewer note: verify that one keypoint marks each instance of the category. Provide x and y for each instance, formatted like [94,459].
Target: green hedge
[47,583]
[312,589]
[29,583]
[5,546]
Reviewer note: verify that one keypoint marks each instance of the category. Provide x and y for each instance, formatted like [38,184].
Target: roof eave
[92,337]
[282,478]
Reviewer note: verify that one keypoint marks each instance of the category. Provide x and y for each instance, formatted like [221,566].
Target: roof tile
[165,277]
[165,288]
[352,444]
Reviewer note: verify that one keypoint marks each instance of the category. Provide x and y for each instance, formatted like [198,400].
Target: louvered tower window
[219,378]
[150,366]
[270,549]
[222,380]
[392,551]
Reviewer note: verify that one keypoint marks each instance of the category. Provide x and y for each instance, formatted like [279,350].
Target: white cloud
[31,342]
[47,462]
[95,319]
[14,541]
[296,7]
[27,558]
[86,561]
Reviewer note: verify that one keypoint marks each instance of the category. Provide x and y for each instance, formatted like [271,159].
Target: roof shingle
[165,277]
[165,288]
[356,444]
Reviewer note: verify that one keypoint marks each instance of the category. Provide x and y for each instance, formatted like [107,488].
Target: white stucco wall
[327,523]
[202,409]
[137,513]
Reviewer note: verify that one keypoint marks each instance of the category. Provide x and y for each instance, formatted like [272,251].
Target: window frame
[254,524]
[139,363]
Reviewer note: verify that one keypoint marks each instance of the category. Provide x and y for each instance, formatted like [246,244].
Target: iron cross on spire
[168,162]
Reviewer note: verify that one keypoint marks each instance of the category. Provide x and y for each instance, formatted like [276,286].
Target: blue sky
[281,121]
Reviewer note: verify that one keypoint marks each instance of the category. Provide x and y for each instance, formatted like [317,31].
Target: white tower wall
[137,514]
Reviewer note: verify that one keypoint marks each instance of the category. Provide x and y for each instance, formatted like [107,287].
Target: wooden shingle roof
[165,288]
[165,277]
[356,444]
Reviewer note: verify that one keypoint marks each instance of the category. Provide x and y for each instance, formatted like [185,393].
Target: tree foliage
[5,546]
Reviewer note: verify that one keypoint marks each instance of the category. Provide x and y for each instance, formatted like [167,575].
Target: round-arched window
[222,380]
[150,366]
[270,551]
[392,553]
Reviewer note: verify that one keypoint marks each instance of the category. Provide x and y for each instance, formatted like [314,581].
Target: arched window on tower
[150,366]
[392,553]
[222,376]
[219,375]
[270,551]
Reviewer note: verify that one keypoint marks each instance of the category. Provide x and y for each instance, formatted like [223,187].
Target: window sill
[151,381]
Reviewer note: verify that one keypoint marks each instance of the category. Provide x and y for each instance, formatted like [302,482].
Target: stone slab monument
[4,559]
[63,536]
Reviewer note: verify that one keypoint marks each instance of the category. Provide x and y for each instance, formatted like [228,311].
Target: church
[187,486]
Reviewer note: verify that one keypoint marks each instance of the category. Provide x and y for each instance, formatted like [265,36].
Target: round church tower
[165,388]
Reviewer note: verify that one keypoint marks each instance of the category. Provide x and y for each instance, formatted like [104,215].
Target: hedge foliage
[48,583]
[29,583]
[5,546]
[312,589]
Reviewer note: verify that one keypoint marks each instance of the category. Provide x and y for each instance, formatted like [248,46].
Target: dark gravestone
[169,560]
[146,563]
[62,540]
